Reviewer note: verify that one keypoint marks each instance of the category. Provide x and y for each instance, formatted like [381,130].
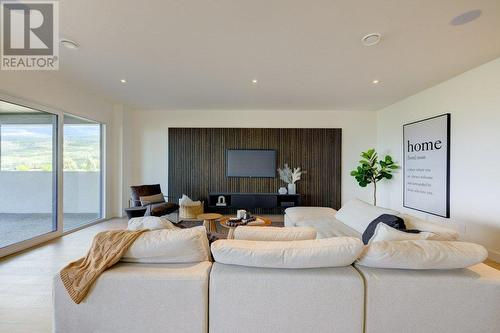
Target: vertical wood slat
[197,162]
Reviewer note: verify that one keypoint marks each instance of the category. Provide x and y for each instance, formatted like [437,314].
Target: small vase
[291,189]
[282,190]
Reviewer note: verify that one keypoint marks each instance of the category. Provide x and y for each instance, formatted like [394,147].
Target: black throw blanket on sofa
[391,220]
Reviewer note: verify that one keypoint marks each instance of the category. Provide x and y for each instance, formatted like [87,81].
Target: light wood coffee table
[230,233]
[210,221]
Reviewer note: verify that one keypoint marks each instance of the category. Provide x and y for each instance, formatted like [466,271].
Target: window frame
[58,181]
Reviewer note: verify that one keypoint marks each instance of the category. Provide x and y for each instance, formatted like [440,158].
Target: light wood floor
[26,279]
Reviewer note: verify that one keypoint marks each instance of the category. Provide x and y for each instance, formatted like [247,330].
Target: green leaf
[370,169]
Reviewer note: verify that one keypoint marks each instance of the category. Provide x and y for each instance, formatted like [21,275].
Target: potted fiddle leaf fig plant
[372,170]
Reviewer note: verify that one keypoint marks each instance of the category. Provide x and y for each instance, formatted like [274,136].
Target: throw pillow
[422,254]
[187,201]
[170,246]
[149,222]
[326,252]
[151,199]
[391,220]
[383,232]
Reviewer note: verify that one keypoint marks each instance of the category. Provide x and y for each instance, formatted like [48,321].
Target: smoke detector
[371,39]
[70,44]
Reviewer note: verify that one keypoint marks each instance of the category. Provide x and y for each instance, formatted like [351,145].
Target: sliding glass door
[51,175]
[28,173]
[82,172]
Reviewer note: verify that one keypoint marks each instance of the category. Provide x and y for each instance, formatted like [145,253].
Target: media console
[253,200]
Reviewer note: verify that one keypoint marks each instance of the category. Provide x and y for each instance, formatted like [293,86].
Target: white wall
[473,99]
[146,152]
[50,90]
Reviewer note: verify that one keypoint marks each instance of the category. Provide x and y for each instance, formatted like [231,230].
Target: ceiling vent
[466,17]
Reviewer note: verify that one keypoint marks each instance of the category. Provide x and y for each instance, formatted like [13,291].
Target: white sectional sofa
[162,287]
[352,220]
[294,283]
[412,300]
[138,298]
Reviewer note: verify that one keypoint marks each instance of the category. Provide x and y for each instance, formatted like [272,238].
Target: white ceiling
[8,108]
[203,54]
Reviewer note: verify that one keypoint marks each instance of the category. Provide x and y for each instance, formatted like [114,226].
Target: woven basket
[190,212]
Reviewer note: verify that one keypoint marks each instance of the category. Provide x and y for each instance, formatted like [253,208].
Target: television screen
[251,163]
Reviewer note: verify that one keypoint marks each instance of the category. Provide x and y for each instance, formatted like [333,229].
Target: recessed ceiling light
[466,17]
[123,81]
[70,44]
[371,39]
[254,81]
[375,81]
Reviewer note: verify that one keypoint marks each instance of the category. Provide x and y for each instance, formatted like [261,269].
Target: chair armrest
[140,203]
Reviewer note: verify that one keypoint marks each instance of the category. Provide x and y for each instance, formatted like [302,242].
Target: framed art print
[426,165]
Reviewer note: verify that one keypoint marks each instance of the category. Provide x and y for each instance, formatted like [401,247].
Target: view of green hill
[29,147]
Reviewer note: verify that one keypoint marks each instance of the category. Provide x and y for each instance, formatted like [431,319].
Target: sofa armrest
[289,222]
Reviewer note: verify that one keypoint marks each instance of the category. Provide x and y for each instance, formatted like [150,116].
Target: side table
[210,221]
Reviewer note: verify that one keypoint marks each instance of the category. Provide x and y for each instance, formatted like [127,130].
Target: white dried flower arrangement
[289,176]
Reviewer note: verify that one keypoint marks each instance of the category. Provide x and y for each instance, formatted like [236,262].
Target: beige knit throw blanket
[107,249]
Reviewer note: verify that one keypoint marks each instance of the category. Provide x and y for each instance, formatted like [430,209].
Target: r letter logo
[30,35]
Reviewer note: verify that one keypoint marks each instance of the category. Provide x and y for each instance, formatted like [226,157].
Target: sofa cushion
[422,254]
[274,233]
[270,300]
[149,222]
[322,219]
[304,213]
[358,214]
[383,232]
[328,252]
[170,246]
[439,233]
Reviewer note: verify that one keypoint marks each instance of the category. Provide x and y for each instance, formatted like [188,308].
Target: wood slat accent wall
[197,161]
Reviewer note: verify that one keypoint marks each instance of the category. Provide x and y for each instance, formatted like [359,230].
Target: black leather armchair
[154,209]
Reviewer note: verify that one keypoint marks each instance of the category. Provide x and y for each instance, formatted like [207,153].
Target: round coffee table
[210,221]
[230,234]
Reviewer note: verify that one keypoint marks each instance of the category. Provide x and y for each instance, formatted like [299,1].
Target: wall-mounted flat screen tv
[251,163]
